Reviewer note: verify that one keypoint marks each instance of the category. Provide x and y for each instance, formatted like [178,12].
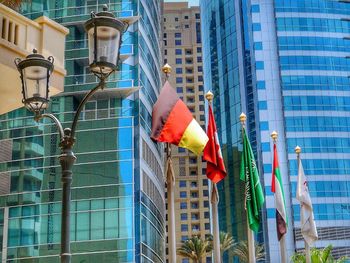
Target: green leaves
[195,248]
[318,256]
[241,251]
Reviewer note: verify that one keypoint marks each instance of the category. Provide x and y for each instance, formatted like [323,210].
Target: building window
[207,226]
[177,35]
[205,182]
[177,42]
[195,227]
[194,216]
[206,214]
[195,205]
[165,43]
[183,216]
[184,238]
[184,228]
[258,46]
[179,80]
[200,69]
[198,33]
[199,59]
[178,70]
[178,61]
[178,51]
[262,105]
[200,78]
[256,27]
[264,126]
[198,16]
[165,35]
[176,19]
[185,260]
[265,147]
[194,184]
[165,52]
[186,17]
[260,84]
[183,205]
[183,194]
[259,64]
[179,89]
[187,26]
[194,194]
[181,150]
[182,183]
[205,193]
[255,8]
[199,50]
[206,203]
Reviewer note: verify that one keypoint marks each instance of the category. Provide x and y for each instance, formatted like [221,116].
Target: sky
[191,2]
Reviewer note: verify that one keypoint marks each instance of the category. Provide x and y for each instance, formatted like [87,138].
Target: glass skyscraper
[284,63]
[118,210]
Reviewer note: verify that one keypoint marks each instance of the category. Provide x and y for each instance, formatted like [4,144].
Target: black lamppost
[104,32]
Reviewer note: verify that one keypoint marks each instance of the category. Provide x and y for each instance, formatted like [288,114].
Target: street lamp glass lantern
[104,32]
[35,72]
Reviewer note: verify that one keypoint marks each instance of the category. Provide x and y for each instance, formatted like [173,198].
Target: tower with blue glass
[118,210]
[284,63]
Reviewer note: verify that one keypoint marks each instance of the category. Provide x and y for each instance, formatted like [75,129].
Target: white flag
[307,222]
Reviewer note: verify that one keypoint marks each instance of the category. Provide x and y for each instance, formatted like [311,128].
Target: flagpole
[170,180]
[307,247]
[215,217]
[214,205]
[282,242]
[250,234]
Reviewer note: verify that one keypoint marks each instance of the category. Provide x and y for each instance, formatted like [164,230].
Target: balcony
[18,37]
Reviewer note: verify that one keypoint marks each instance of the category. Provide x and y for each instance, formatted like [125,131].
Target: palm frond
[241,251]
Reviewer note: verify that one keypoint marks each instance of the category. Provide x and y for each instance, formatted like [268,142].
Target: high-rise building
[284,64]
[118,204]
[182,49]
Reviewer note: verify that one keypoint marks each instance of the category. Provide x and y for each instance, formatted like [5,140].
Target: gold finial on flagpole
[166,70]
[274,136]
[209,96]
[297,150]
[243,118]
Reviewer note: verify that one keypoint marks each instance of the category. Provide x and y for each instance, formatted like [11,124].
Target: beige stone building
[182,50]
[18,37]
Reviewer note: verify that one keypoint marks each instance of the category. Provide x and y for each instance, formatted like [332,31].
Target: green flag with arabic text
[254,196]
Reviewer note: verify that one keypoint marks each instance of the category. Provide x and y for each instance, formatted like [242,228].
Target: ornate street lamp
[35,73]
[104,36]
[104,31]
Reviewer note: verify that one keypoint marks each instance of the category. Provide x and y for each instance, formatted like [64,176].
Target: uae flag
[172,122]
[277,188]
[212,152]
[254,196]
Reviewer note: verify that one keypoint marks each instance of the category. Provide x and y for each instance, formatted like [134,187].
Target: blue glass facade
[118,210]
[299,74]
[229,73]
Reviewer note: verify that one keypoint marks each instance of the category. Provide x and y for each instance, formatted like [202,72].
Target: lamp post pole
[35,72]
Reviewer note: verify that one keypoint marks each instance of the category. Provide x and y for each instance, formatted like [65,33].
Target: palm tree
[318,256]
[13,4]
[226,243]
[195,249]
[241,251]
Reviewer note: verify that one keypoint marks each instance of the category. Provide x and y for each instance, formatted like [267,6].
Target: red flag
[212,152]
